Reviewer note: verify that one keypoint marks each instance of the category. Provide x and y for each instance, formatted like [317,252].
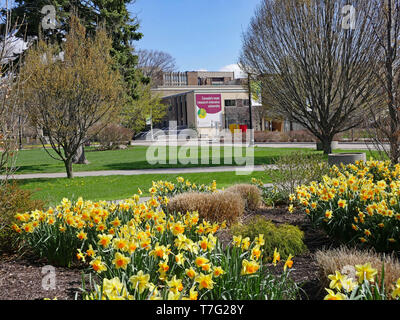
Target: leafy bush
[249,193]
[215,207]
[357,204]
[344,259]
[288,239]
[270,194]
[12,200]
[292,170]
[112,135]
[137,251]
[271,136]
[301,136]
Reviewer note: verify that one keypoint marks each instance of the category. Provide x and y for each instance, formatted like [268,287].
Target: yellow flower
[288,263]
[276,257]
[120,261]
[336,280]
[120,244]
[249,267]
[396,290]
[200,261]
[160,251]
[98,265]
[237,240]
[246,243]
[193,294]
[114,289]
[205,281]
[348,284]
[342,203]
[179,259]
[328,214]
[218,271]
[365,272]
[367,232]
[163,266]
[190,273]
[140,281]
[332,296]
[104,239]
[175,285]
[290,208]
[256,252]
[206,267]
[177,228]
[203,243]
[90,252]
[259,240]
[80,255]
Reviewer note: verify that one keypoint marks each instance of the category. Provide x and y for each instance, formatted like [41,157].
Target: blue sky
[199,34]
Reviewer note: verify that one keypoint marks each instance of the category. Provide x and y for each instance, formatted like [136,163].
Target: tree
[316,69]
[147,105]
[154,63]
[10,45]
[68,94]
[113,15]
[383,118]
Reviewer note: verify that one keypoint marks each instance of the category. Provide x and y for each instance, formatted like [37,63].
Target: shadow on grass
[39,168]
[137,165]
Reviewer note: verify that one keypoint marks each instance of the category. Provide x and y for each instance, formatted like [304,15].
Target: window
[230,103]
[217,81]
[246,102]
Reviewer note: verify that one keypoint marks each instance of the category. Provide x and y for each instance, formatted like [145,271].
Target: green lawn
[38,161]
[120,187]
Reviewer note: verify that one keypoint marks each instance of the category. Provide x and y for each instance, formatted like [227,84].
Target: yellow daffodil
[336,280]
[121,261]
[140,281]
[334,296]
[249,267]
[276,257]
[288,263]
[205,281]
[365,272]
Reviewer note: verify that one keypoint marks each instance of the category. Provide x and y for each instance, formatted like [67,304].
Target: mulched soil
[305,268]
[21,277]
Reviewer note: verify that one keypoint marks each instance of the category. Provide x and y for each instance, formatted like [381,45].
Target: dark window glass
[230,103]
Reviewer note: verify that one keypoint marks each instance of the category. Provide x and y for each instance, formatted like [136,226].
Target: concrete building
[209,102]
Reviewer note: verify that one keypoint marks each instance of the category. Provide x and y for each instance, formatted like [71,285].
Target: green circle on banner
[202,113]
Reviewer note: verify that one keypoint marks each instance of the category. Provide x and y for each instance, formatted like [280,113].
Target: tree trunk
[79,157]
[327,145]
[68,167]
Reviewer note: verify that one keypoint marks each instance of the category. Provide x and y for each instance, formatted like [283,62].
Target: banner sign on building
[209,109]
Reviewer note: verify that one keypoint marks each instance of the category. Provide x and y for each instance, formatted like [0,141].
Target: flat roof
[187,89]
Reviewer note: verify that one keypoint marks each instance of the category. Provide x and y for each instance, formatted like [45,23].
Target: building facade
[209,102]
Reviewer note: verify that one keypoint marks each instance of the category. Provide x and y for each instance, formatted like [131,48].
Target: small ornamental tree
[71,89]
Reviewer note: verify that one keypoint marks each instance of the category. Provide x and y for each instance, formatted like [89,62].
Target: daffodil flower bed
[357,204]
[137,251]
[362,285]
[163,190]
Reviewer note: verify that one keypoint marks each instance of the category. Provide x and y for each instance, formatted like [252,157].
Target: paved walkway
[136,172]
[308,145]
